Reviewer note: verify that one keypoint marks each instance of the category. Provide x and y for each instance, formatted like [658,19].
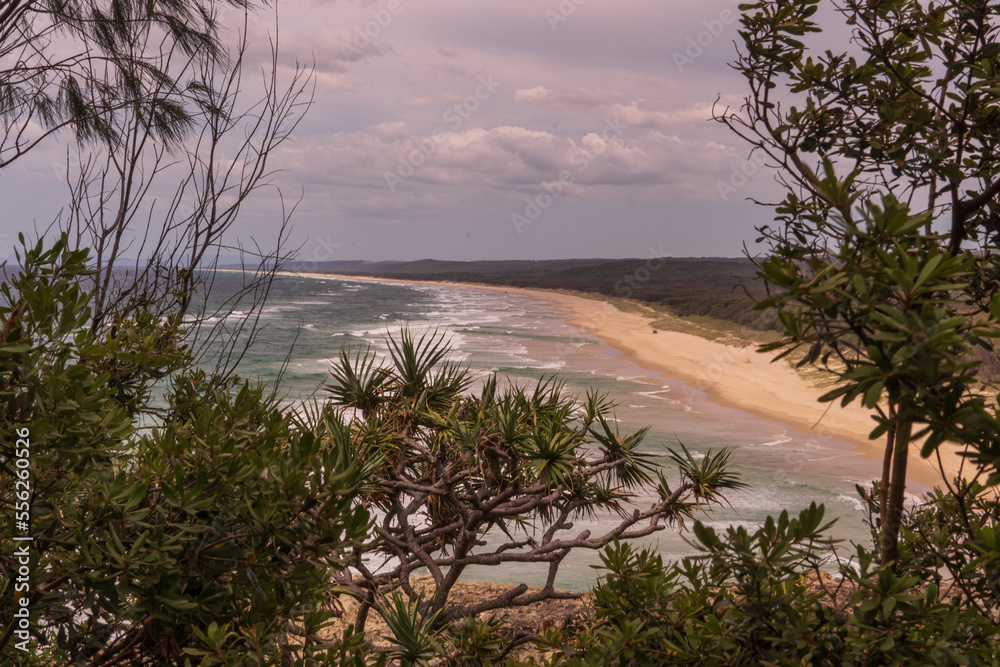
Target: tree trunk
[897,488]
[883,492]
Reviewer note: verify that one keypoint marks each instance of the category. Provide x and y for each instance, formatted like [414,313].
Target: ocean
[308,319]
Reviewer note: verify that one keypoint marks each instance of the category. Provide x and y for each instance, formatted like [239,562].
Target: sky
[496,129]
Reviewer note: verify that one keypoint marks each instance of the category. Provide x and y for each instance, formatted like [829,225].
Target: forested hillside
[725,288]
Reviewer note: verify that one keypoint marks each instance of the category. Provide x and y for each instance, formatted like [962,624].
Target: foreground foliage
[217,536]
[759,598]
[212,533]
[887,154]
[209,537]
[780,594]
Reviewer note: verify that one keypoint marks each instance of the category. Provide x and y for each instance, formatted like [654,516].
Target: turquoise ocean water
[524,339]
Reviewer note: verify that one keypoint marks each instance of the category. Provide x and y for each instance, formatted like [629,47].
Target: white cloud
[432,98]
[563,97]
[643,114]
[387,171]
[379,98]
[326,81]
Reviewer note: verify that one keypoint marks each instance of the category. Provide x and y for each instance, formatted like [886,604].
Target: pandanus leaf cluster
[476,471]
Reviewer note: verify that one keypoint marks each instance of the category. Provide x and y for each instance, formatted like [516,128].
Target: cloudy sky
[506,129]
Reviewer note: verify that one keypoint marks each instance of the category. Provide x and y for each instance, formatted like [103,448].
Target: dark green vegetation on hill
[724,288]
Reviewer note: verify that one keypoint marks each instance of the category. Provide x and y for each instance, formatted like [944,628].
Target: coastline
[734,377]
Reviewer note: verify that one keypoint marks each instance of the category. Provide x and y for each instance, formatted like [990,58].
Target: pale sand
[736,377]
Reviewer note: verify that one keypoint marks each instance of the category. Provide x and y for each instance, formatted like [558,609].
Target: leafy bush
[209,537]
[761,598]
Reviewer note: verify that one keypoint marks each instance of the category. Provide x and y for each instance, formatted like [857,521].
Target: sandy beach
[736,377]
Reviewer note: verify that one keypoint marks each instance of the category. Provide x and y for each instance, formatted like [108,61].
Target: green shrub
[759,598]
[208,537]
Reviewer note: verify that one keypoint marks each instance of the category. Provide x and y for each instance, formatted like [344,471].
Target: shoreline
[732,377]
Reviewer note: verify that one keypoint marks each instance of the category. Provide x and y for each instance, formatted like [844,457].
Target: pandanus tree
[496,476]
